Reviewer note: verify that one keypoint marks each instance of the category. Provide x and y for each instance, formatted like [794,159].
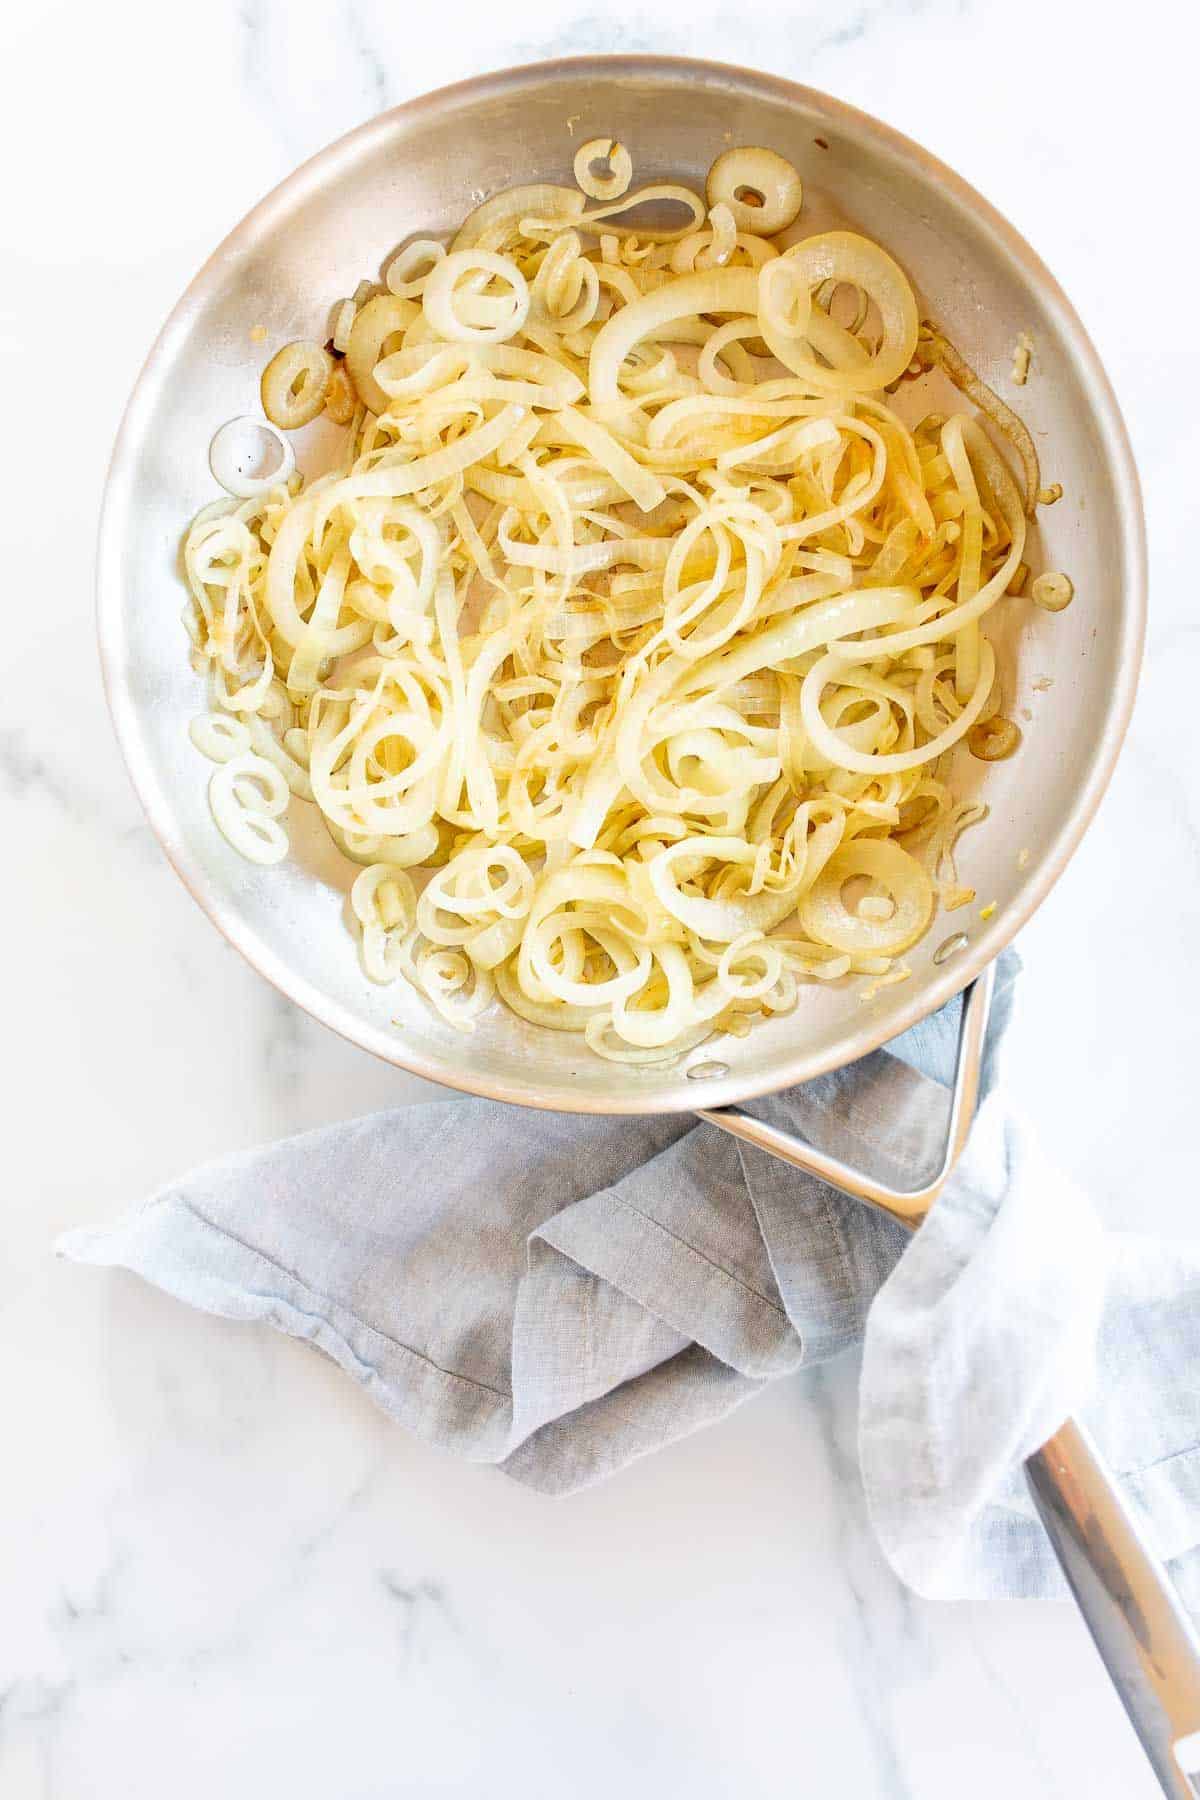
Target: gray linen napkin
[559,1295]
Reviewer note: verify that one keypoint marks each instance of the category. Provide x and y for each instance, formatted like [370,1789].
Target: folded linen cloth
[559,1295]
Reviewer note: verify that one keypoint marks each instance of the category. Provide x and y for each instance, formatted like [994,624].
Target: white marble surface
[220,1570]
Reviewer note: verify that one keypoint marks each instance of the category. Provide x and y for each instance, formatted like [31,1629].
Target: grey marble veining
[221,1570]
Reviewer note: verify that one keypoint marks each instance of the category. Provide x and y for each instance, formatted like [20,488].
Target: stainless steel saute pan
[423,166]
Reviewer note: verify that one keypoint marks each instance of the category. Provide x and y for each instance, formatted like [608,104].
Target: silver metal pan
[421,167]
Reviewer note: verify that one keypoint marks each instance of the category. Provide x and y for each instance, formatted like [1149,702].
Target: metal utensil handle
[1138,1624]
[909,1205]
[1133,1611]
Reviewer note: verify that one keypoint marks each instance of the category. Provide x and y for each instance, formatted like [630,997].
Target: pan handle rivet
[950,947]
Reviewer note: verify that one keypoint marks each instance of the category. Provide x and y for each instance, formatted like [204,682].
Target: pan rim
[899,1014]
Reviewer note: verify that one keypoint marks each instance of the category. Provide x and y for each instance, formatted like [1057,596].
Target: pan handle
[909,1205]
[1129,1603]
